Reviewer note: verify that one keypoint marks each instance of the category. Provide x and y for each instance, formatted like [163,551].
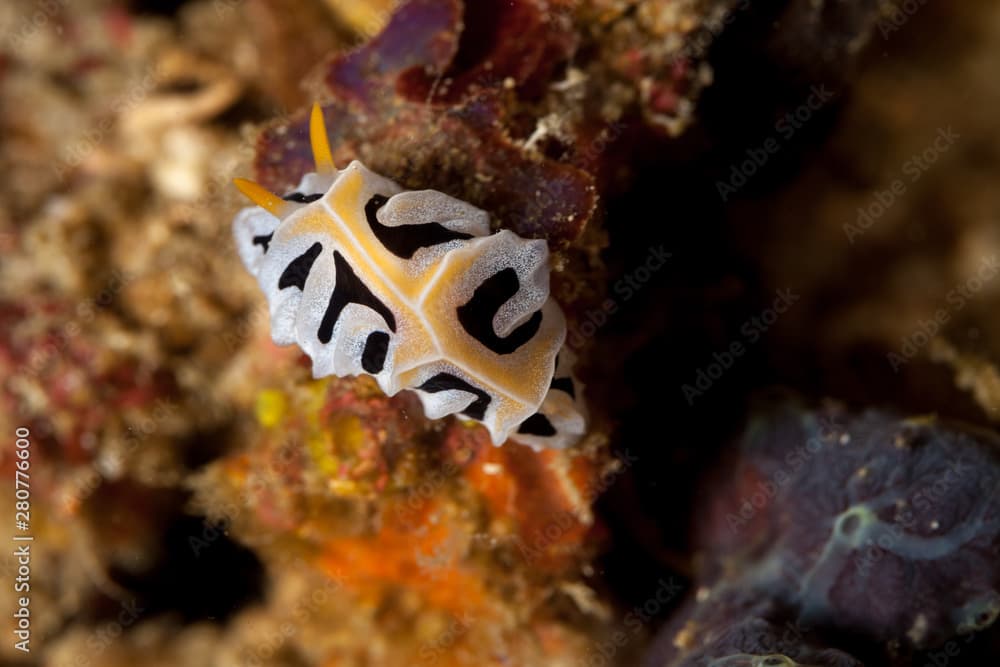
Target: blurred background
[823,177]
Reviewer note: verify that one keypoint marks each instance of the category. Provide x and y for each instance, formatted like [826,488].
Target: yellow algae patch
[339,440]
[271,407]
[348,433]
[320,447]
[366,18]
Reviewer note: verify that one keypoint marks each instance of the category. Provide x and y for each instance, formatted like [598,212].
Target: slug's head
[254,226]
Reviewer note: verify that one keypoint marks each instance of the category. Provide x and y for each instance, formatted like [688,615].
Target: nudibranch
[413,288]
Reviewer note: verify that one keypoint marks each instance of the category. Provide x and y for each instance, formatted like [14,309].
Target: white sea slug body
[412,288]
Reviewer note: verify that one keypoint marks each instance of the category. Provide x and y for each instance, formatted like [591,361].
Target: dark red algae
[429,102]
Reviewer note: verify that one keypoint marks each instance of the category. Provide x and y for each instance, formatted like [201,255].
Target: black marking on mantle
[350,289]
[405,240]
[264,240]
[300,198]
[447,382]
[298,269]
[477,315]
[376,349]
[564,384]
[537,424]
